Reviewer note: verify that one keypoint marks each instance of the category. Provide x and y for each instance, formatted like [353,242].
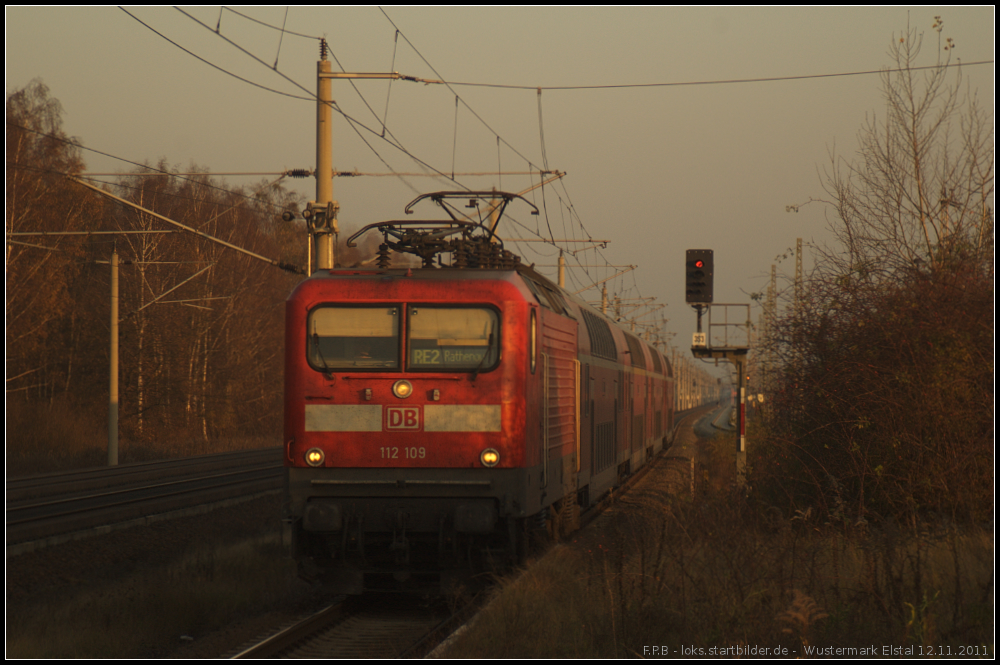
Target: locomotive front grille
[386,515]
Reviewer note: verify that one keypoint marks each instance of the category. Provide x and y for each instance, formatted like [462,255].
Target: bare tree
[40,272]
[201,326]
[920,191]
[884,405]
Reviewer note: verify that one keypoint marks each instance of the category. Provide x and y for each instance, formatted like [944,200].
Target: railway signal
[699,273]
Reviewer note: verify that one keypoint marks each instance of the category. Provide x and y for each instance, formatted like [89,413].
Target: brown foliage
[885,397]
[40,284]
[204,360]
[207,358]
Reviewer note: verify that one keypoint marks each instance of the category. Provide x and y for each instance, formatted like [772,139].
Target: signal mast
[699,276]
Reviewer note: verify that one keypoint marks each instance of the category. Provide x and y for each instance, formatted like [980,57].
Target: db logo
[402,417]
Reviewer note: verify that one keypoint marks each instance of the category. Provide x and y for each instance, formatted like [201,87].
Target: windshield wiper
[319,351]
[489,349]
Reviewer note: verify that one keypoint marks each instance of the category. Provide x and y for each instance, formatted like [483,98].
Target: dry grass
[718,572]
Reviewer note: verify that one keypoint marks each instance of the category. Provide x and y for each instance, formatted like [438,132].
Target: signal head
[699,274]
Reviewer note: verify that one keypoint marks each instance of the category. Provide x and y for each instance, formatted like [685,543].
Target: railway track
[386,626]
[383,626]
[51,508]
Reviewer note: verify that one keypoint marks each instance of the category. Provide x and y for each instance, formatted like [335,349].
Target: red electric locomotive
[434,416]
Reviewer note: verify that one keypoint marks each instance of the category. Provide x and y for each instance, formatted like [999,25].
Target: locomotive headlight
[314,457]
[402,389]
[490,457]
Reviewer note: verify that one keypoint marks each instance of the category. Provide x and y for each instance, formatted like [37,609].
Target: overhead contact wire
[281,38]
[266,25]
[128,161]
[212,64]
[763,79]
[441,78]
[388,92]
[312,96]
[454,140]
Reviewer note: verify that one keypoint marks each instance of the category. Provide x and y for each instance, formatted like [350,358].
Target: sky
[655,170]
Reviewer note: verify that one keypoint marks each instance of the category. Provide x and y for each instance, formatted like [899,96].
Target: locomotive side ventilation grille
[604,446]
[602,343]
[560,392]
[635,349]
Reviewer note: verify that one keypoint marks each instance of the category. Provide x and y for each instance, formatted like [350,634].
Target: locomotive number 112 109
[406,452]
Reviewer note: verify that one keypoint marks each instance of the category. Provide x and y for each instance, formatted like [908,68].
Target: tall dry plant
[801,614]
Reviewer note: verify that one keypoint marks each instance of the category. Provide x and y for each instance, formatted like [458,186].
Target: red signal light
[698,276]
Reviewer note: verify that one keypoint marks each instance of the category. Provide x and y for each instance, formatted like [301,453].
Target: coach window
[353,338]
[447,339]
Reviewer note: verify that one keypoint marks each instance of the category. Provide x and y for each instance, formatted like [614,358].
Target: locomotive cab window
[351,338]
[447,339]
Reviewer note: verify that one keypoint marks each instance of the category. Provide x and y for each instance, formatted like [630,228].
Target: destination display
[452,338]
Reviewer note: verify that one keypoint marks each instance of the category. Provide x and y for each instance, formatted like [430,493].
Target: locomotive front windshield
[354,338]
[442,339]
[452,338]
